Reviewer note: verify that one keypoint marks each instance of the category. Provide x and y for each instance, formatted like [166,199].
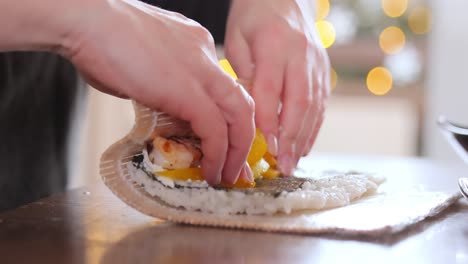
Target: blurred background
[396,66]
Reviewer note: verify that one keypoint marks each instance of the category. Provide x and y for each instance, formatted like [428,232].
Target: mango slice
[258,149]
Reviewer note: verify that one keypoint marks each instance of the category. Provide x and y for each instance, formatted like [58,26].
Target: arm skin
[159,58]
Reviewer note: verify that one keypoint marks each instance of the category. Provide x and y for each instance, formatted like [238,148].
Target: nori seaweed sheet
[272,187]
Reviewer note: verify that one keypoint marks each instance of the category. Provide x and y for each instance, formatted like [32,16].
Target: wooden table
[90,225]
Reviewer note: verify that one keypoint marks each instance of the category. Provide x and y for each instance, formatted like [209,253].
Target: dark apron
[38,93]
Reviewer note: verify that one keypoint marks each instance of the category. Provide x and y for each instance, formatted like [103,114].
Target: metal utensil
[457,136]
[463,184]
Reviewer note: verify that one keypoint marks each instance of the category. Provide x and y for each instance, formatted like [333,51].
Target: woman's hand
[167,62]
[275,45]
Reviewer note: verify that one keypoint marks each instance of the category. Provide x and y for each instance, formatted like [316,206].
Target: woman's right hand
[167,62]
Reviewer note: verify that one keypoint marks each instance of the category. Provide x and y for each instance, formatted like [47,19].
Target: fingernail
[286,165]
[248,173]
[272,145]
[218,178]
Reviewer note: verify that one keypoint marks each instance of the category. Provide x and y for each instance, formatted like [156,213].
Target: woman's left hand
[275,45]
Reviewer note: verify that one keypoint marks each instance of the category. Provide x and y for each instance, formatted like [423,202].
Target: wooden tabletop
[91,225]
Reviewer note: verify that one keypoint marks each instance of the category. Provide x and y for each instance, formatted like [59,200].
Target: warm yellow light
[379,81]
[420,20]
[333,78]
[391,40]
[394,8]
[323,8]
[326,32]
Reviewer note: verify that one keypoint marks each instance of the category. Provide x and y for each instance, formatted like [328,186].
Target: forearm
[35,25]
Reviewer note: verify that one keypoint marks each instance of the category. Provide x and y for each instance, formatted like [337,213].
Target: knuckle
[225,89]
[265,84]
[301,42]
[236,98]
[287,135]
[250,106]
[204,35]
[245,110]
[267,118]
[229,49]
[316,110]
[275,35]
[304,102]
[219,131]
[172,13]
[249,109]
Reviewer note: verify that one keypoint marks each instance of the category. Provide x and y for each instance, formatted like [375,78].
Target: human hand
[167,62]
[275,45]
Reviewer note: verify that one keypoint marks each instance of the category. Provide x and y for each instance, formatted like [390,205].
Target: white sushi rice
[326,191]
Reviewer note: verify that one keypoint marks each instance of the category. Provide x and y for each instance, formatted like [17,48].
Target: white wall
[447,81]
[106,120]
[368,125]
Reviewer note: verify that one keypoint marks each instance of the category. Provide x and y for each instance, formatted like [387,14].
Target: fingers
[238,53]
[266,92]
[315,130]
[207,121]
[238,112]
[222,116]
[174,69]
[297,99]
[246,173]
[306,132]
[323,86]
[267,75]
[214,143]
[311,115]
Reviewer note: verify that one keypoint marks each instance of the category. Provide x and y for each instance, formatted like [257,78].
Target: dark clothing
[38,92]
[211,14]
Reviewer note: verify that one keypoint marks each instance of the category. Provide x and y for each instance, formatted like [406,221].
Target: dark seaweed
[137,161]
[277,194]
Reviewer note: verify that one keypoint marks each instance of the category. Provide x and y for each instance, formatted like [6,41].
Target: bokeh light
[326,32]
[392,40]
[345,22]
[394,8]
[379,81]
[323,8]
[333,78]
[420,20]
